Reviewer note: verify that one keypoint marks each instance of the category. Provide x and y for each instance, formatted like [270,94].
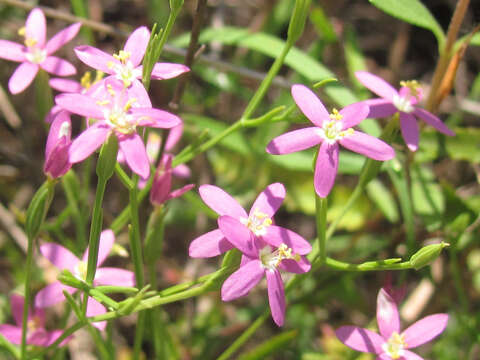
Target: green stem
[389,264]
[26,303]
[321,205]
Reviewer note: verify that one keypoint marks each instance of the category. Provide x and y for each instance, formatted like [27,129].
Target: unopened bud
[426,255]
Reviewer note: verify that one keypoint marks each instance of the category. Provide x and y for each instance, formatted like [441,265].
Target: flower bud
[426,255]
[297,21]
[108,158]
[38,208]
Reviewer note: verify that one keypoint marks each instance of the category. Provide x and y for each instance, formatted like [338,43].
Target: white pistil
[257,222]
[394,346]
[331,131]
[403,104]
[270,260]
[124,69]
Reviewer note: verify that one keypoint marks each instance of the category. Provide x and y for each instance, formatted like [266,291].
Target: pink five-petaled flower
[391,343]
[329,130]
[36,333]
[404,102]
[37,53]
[237,229]
[118,112]
[58,143]
[63,259]
[162,183]
[126,65]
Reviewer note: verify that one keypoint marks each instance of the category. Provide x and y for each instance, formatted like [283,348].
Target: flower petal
[354,114]
[62,37]
[155,118]
[55,65]
[221,202]
[360,339]
[376,84]
[174,136]
[60,122]
[16,303]
[87,142]
[296,266]
[238,234]
[65,85]
[408,355]
[163,71]
[22,77]
[277,235]
[95,58]
[208,245]
[326,169]
[107,238]
[180,192]
[12,333]
[368,145]
[80,104]
[425,330]
[434,121]
[243,280]
[94,308]
[380,108]
[310,104]
[12,51]
[276,296]
[136,44]
[181,171]
[269,200]
[59,256]
[114,277]
[409,129]
[52,336]
[388,319]
[52,294]
[36,27]
[293,141]
[135,154]
[137,91]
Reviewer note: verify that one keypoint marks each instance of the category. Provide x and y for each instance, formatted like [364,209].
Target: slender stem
[26,303]
[357,192]
[391,264]
[139,331]
[321,205]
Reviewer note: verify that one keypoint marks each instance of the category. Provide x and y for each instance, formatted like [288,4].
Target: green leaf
[412,12]
[383,199]
[272,345]
[475,40]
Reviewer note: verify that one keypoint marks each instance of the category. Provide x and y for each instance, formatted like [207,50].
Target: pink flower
[391,343]
[126,65]
[58,143]
[36,333]
[37,53]
[329,130]
[404,102]
[63,259]
[248,233]
[162,183]
[120,112]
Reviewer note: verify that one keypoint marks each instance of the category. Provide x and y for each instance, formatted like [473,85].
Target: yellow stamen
[335,115]
[29,42]
[86,80]
[103,102]
[110,90]
[129,104]
[122,56]
[413,85]
[22,31]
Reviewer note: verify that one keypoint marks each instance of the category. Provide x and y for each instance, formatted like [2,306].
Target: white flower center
[394,346]
[80,270]
[331,131]
[257,222]
[124,71]
[403,103]
[271,259]
[116,115]
[36,55]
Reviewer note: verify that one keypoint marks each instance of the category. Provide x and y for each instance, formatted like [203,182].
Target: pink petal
[107,238]
[114,277]
[137,91]
[221,202]
[376,85]
[62,37]
[380,108]
[59,256]
[409,129]
[94,308]
[310,104]
[52,336]
[36,27]
[57,163]
[155,118]
[388,319]
[360,339]
[277,235]
[326,169]
[57,66]
[368,145]
[269,200]
[238,234]
[54,132]
[80,104]
[208,245]
[276,296]
[136,44]
[434,121]
[297,267]
[12,51]
[293,141]
[424,330]
[408,355]
[39,337]
[354,114]
[12,333]
[243,280]
[52,294]
[174,136]
[163,71]
[162,184]
[88,141]
[95,58]
[135,154]
[65,85]
[179,192]
[181,171]
[16,303]
[22,77]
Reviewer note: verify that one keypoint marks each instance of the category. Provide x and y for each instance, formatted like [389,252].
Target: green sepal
[426,255]
[126,306]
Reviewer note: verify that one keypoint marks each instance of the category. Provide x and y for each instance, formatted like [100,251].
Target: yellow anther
[98,76]
[86,80]
[413,85]
[110,90]
[29,42]
[129,104]
[103,102]
[110,64]
[22,31]
[335,115]
[122,56]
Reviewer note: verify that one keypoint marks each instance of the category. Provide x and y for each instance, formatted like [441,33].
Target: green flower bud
[426,255]
[38,208]
[108,158]
[297,21]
